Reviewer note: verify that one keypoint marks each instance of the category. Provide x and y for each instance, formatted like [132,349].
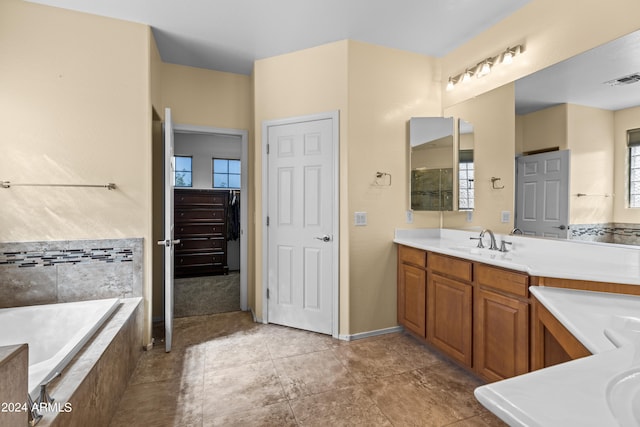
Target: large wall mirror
[432,163]
[585,105]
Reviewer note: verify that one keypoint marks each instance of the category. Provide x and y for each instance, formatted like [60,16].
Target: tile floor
[225,370]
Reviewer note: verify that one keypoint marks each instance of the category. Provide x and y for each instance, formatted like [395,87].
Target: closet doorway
[200,154]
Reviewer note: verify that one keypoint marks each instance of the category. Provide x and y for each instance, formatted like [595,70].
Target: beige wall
[206,97]
[376,90]
[623,121]
[75,103]
[386,88]
[544,129]
[493,118]
[551,31]
[590,138]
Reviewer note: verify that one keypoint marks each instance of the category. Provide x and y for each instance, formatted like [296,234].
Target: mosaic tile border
[621,233]
[66,256]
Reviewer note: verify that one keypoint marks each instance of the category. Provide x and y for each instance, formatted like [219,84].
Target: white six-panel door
[542,194]
[302,229]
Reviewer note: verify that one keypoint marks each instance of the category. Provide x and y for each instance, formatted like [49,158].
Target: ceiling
[229,35]
[582,79]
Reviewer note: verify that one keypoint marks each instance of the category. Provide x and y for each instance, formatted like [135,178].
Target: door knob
[562,227]
[168,242]
[325,238]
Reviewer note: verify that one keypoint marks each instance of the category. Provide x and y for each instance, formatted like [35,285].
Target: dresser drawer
[210,258]
[509,281]
[201,244]
[199,198]
[450,266]
[409,255]
[211,229]
[210,215]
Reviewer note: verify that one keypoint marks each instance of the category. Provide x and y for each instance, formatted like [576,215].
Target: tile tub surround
[14,367]
[226,370]
[69,270]
[95,379]
[614,232]
[566,259]
[574,393]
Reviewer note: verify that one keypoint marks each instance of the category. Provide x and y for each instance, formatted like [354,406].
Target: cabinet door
[411,299]
[449,317]
[502,336]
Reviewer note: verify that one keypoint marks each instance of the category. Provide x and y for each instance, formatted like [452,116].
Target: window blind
[633,137]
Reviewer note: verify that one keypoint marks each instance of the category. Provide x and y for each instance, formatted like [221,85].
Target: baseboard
[369,334]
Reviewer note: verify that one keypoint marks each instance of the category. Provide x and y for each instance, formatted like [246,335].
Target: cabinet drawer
[201,244]
[203,198]
[413,256]
[211,215]
[186,230]
[199,259]
[504,280]
[450,266]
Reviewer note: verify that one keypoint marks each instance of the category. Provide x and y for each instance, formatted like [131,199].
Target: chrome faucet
[493,246]
[515,231]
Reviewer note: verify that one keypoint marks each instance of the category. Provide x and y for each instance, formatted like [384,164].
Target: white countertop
[599,390]
[567,259]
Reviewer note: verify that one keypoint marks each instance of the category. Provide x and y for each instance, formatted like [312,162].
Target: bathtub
[55,333]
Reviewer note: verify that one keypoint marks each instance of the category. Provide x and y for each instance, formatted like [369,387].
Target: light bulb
[450,84]
[507,58]
[466,77]
[485,69]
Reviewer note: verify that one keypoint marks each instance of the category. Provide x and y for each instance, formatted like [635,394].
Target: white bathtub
[54,332]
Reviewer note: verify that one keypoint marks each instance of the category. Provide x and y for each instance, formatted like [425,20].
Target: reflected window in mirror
[633,142]
[465,184]
[466,169]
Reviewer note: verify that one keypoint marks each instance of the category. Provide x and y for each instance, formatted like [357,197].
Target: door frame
[335,276]
[244,168]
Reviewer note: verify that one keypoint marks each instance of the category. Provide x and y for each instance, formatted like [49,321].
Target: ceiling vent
[626,80]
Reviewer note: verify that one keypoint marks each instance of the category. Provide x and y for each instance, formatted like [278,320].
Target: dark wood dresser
[200,224]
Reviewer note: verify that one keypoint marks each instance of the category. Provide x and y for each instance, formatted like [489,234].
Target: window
[465,180]
[633,142]
[226,173]
[183,172]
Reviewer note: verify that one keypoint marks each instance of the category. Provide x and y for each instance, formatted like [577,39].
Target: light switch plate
[409,217]
[506,216]
[360,218]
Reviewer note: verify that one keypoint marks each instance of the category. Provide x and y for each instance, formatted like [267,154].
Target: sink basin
[466,250]
[484,252]
[623,397]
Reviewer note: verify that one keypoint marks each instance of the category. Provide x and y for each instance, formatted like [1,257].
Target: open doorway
[225,289]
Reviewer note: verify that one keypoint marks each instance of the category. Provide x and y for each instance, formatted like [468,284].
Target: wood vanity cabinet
[412,289]
[475,313]
[200,225]
[450,306]
[501,324]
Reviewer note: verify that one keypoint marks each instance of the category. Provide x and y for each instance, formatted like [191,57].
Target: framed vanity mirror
[432,145]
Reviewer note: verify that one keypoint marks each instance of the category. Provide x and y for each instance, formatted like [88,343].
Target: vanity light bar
[485,66]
